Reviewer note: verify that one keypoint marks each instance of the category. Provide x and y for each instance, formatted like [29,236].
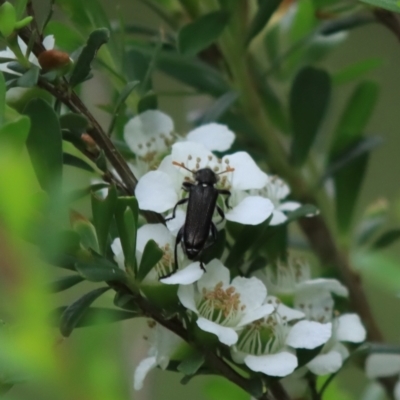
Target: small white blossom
[160,190]
[164,345]
[224,307]
[48,43]
[151,134]
[188,273]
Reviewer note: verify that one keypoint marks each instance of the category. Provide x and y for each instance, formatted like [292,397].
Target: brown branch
[388,19]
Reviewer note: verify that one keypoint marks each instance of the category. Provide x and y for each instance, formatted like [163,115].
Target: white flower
[346,328]
[48,43]
[381,365]
[151,134]
[160,190]
[188,273]
[266,345]
[277,190]
[164,345]
[224,307]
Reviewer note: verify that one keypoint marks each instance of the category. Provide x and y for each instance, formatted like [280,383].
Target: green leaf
[356,70]
[349,131]
[15,134]
[309,98]
[126,217]
[125,92]
[191,364]
[83,65]
[192,72]
[86,232]
[65,283]
[263,15]
[391,5]
[75,123]
[8,18]
[304,20]
[20,6]
[219,107]
[148,102]
[93,316]
[136,66]
[100,270]
[2,98]
[200,34]
[103,212]
[45,143]
[386,239]
[66,37]
[29,78]
[355,116]
[74,161]
[306,210]
[73,313]
[152,254]
[360,148]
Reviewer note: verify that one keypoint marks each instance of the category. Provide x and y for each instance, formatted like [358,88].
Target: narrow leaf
[29,78]
[73,161]
[147,102]
[265,10]
[355,71]
[103,211]
[44,143]
[74,312]
[126,217]
[198,35]
[93,316]
[65,283]
[363,146]
[306,210]
[83,65]
[391,5]
[219,107]
[2,98]
[191,364]
[100,270]
[309,98]
[386,239]
[75,123]
[152,254]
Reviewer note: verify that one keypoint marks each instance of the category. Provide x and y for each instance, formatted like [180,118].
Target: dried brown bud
[89,142]
[50,60]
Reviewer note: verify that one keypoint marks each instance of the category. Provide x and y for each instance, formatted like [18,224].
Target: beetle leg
[179,203]
[221,214]
[228,195]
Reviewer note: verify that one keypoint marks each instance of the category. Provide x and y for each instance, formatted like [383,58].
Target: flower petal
[176,223]
[252,292]
[396,391]
[278,217]
[252,210]
[247,175]
[155,192]
[289,206]
[255,314]
[215,137]
[119,257]
[382,365]
[289,313]
[142,370]
[157,232]
[186,297]
[225,334]
[325,364]
[216,273]
[350,329]
[309,334]
[330,285]
[49,42]
[192,273]
[193,155]
[279,364]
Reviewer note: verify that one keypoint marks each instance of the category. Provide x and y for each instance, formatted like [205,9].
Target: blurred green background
[98,362]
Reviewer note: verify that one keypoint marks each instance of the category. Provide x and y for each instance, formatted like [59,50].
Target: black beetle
[202,201]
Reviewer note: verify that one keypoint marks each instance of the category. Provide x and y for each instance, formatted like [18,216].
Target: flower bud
[51,60]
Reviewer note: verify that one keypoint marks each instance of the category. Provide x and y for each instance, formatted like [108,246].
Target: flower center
[221,305]
[167,264]
[315,306]
[265,336]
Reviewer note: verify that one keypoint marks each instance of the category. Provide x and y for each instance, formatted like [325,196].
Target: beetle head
[206,176]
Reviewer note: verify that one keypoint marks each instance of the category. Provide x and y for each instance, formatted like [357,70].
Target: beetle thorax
[206,176]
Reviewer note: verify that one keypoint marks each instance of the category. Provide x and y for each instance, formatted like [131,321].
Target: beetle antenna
[182,165]
[228,169]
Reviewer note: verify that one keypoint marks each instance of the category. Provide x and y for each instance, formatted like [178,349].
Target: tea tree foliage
[273,303]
